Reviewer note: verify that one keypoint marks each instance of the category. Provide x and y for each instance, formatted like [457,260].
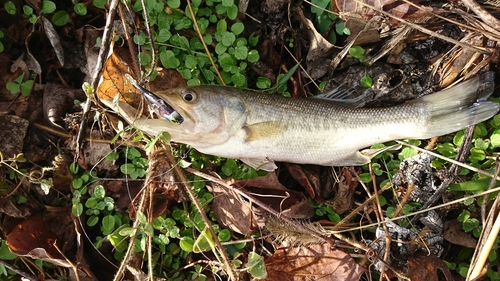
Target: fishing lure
[157,105]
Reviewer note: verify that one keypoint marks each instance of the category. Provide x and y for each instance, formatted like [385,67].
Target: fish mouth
[161,107]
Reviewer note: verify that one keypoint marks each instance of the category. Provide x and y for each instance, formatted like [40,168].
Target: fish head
[201,115]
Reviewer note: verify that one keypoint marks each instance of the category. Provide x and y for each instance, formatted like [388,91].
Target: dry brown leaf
[314,262]
[33,238]
[454,233]
[11,144]
[57,101]
[423,267]
[344,198]
[114,82]
[292,204]
[269,181]
[115,91]
[320,50]
[161,177]
[305,179]
[269,62]
[231,212]
[11,209]
[462,61]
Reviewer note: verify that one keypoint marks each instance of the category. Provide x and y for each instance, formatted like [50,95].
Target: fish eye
[189,96]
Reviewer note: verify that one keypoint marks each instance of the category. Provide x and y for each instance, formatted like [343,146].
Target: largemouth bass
[260,128]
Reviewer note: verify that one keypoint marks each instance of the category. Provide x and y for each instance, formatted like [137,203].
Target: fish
[260,128]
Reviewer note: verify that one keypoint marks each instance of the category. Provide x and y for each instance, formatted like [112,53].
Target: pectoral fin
[265,164]
[263,130]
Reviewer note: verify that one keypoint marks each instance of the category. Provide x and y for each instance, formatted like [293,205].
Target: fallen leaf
[302,178]
[53,39]
[232,212]
[423,267]
[57,101]
[269,62]
[8,208]
[320,50]
[292,204]
[269,181]
[166,79]
[116,92]
[161,177]
[34,239]
[344,197]
[11,144]
[314,262]
[454,233]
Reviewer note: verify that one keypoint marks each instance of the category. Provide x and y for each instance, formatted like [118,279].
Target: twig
[66,135]
[489,230]
[425,30]
[482,13]
[145,14]
[130,42]
[463,153]
[18,271]
[130,250]
[103,51]
[196,202]
[195,23]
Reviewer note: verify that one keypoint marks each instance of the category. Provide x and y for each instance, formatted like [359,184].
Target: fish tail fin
[460,106]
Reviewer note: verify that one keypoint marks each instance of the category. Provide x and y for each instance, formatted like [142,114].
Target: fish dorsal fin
[345,97]
[263,130]
[265,164]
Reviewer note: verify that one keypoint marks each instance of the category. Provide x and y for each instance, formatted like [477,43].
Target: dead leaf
[93,155]
[314,262]
[462,61]
[161,177]
[166,79]
[53,39]
[292,204]
[320,50]
[114,82]
[8,208]
[57,101]
[232,212]
[344,198]
[302,178]
[454,233]
[34,239]
[269,62]
[116,92]
[269,181]
[423,267]
[11,144]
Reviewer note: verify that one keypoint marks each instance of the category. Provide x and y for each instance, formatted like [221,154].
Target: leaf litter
[284,193]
